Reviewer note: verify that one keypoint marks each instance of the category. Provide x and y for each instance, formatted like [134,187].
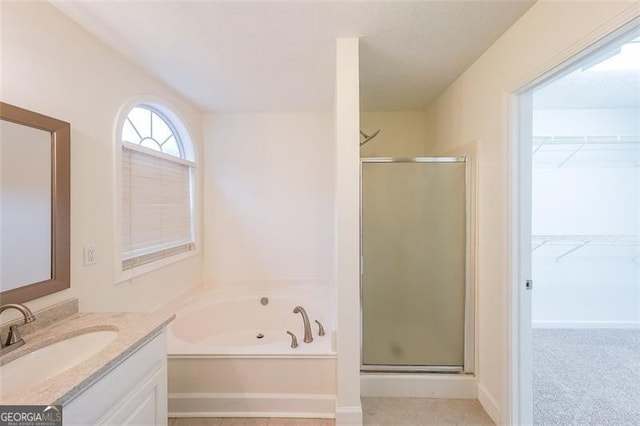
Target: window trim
[177,124]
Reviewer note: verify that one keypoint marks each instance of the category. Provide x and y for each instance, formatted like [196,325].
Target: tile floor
[256,421]
[376,412]
[423,411]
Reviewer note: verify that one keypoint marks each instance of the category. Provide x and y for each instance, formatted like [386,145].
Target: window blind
[156,206]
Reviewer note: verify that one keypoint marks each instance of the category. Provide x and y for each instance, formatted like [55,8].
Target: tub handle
[294,339]
[320,328]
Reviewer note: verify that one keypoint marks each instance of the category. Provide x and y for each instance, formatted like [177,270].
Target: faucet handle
[13,337]
[320,328]
[294,339]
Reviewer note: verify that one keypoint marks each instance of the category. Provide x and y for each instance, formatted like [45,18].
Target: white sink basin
[52,360]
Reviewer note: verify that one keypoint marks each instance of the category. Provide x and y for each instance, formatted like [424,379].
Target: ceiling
[591,90]
[267,56]
[607,79]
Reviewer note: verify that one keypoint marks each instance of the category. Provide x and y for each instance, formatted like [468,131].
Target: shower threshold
[411,368]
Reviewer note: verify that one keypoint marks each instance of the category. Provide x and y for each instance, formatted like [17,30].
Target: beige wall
[52,66]
[474,108]
[402,133]
[269,198]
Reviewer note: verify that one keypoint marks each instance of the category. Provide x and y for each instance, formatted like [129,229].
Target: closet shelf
[573,243]
[585,140]
[587,150]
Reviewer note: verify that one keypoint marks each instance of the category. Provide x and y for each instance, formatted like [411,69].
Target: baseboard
[458,386]
[251,405]
[489,404]
[586,324]
[348,416]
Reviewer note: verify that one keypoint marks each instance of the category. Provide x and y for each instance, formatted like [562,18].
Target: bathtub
[230,355]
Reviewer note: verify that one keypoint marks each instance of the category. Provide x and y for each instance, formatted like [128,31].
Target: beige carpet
[586,377]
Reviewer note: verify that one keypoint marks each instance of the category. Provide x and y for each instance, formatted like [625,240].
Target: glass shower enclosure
[415,297]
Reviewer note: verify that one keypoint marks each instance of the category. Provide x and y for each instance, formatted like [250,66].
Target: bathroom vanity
[133,392]
[103,368]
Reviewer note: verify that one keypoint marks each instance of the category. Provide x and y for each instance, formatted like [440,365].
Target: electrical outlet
[90,255]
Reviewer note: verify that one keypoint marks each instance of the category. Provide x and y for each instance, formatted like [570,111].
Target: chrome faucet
[14,340]
[308,338]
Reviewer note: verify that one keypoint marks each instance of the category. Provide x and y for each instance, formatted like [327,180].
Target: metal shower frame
[469,303]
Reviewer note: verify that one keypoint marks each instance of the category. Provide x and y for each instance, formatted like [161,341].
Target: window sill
[122,276]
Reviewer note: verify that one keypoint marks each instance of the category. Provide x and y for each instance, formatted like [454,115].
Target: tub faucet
[14,340]
[308,338]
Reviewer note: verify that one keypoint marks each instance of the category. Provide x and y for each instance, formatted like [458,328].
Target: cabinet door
[145,413]
[145,406]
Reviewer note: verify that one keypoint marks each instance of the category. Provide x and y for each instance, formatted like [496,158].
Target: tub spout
[294,339]
[308,338]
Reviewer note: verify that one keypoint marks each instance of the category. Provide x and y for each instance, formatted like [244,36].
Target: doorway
[579,326]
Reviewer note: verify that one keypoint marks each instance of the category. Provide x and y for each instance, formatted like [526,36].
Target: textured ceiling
[597,89]
[280,56]
[612,82]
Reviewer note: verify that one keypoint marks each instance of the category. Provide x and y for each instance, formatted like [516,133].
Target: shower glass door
[413,276]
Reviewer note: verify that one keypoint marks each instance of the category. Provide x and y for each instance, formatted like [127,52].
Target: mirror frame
[60,203]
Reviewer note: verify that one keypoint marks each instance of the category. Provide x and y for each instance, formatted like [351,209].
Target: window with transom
[157,180]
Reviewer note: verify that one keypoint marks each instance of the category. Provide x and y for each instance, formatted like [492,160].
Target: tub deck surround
[230,355]
[229,321]
[134,330]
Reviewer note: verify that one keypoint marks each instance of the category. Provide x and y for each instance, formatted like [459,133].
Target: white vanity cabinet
[133,392]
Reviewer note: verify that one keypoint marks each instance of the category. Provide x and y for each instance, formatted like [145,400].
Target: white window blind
[156,206]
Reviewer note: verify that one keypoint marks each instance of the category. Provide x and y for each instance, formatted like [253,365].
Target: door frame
[517,103]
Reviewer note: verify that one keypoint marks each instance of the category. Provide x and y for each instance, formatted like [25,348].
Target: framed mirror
[34,204]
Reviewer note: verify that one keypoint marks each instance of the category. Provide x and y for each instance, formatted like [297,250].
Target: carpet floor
[586,377]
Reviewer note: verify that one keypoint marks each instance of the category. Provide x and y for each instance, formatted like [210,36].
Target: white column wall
[347,231]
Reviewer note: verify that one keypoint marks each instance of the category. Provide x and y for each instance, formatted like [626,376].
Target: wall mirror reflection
[34,204]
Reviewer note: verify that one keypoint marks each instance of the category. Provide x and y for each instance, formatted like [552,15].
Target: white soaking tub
[230,356]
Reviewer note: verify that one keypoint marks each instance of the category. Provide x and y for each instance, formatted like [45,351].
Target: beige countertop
[134,330]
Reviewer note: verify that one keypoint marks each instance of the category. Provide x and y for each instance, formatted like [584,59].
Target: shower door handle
[528,285]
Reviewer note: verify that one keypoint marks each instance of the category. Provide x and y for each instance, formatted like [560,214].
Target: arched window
[146,127]
[157,178]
